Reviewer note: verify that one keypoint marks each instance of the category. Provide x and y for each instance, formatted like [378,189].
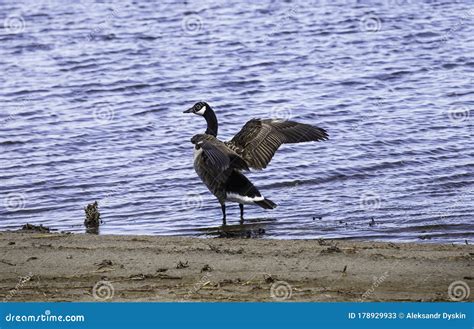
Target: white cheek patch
[202,110]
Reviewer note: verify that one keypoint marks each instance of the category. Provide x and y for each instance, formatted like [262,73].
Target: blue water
[92,96]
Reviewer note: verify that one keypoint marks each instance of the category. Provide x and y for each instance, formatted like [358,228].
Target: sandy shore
[66,267]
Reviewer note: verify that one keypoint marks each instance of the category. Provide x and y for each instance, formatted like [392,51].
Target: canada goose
[219,164]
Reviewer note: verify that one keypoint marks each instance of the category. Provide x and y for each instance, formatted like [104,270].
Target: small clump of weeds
[92,221]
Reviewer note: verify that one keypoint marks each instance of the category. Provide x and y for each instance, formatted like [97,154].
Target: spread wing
[258,140]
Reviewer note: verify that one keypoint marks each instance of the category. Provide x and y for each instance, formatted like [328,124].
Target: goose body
[220,164]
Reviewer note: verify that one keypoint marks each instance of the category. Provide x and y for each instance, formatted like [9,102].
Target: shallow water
[92,98]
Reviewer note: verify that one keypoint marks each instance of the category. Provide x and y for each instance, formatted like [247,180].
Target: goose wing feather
[217,155]
[258,140]
[213,156]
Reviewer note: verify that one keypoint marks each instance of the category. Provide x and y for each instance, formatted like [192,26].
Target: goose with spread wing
[220,164]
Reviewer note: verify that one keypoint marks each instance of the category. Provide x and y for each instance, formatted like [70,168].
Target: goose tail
[266,204]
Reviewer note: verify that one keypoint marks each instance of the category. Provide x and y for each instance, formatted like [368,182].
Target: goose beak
[189,110]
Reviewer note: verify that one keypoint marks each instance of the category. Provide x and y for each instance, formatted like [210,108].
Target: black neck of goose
[211,120]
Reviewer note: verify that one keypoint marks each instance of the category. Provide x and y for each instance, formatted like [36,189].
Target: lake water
[92,96]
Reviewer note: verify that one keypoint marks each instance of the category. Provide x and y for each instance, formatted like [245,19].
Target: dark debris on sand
[34,228]
[330,250]
[181,265]
[206,268]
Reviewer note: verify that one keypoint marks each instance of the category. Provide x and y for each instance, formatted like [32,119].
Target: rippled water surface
[92,96]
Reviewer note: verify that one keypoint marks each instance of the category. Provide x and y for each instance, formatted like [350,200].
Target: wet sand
[66,267]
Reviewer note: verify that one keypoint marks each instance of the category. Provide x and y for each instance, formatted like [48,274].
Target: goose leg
[223,213]
[241,206]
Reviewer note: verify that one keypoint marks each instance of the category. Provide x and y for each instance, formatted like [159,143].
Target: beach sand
[66,267]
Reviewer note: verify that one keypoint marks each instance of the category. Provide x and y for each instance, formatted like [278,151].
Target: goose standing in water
[219,164]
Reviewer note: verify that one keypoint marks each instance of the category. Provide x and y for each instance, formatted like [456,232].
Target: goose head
[204,110]
[199,108]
